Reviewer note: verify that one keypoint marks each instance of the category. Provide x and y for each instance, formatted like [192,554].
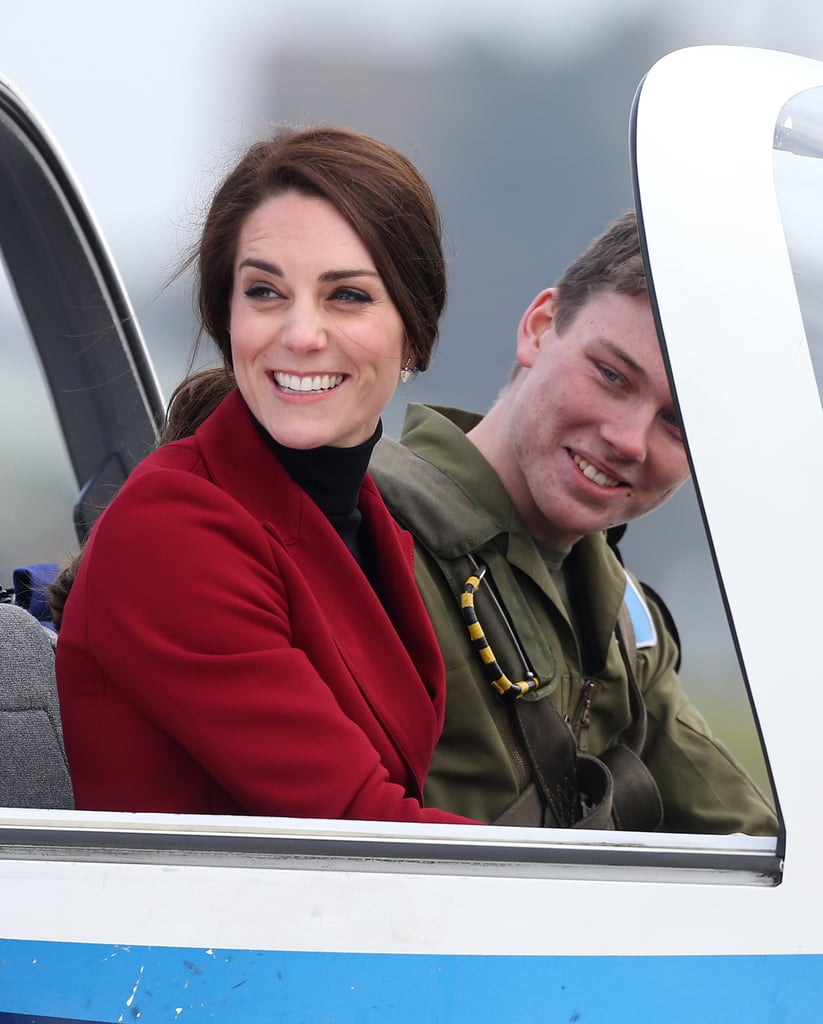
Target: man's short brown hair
[612,261]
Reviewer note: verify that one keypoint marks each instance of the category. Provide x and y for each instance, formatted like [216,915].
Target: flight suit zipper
[581,720]
[516,749]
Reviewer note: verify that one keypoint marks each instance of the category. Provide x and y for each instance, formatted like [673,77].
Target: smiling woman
[317,343]
[227,643]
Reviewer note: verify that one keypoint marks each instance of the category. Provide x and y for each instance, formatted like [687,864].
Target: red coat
[221,650]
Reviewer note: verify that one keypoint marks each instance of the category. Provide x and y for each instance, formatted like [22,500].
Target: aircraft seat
[34,771]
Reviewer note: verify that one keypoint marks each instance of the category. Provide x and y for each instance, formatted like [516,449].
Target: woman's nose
[304,329]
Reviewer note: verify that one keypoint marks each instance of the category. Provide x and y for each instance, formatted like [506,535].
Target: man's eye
[611,375]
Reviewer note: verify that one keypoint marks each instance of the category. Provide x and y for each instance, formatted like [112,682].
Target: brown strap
[635,736]
[637,803]
[637,806]
[570,789]
[552,754]
[593,802]
[527,811]
[596,787]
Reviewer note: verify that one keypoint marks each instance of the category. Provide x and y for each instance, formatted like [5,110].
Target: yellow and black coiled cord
[494,673]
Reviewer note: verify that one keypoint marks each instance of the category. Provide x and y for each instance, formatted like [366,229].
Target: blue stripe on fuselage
[77,982]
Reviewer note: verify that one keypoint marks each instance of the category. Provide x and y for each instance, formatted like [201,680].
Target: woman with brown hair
[244,634]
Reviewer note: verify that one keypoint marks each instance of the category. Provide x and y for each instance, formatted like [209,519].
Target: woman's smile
[317,343]
[295,384]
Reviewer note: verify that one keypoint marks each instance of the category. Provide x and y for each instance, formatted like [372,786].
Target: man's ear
[534,325]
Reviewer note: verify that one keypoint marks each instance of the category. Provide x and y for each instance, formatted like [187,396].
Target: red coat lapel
[397,666]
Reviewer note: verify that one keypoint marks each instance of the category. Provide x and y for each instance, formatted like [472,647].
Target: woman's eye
[261,291]
[350,295]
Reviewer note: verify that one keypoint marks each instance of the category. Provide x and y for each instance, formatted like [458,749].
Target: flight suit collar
[437,434]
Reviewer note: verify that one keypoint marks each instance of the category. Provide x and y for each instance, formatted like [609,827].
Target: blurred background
[518,116]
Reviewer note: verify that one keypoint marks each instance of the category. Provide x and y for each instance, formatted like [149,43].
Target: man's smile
[593,473]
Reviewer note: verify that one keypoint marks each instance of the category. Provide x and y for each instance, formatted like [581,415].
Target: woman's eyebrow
[341,275]
[325,277]
[264,265]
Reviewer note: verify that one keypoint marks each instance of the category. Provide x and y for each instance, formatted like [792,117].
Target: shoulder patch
[644,631]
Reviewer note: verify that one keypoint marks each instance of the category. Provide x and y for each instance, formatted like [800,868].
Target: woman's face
[317,344]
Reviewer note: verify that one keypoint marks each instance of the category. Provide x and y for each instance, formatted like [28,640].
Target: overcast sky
[144,98]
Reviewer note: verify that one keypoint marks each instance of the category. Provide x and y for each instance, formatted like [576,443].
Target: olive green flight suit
[479,768]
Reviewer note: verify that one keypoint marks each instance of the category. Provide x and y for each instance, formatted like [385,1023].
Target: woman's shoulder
[170,511]
[193,455]
[184,456]
[176,481]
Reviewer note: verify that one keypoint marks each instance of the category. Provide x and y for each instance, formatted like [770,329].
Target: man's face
[593,439]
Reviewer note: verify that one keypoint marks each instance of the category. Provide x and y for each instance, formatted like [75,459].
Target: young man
[564,706]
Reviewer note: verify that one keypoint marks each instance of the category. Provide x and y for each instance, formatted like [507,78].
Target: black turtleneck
[332,478]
